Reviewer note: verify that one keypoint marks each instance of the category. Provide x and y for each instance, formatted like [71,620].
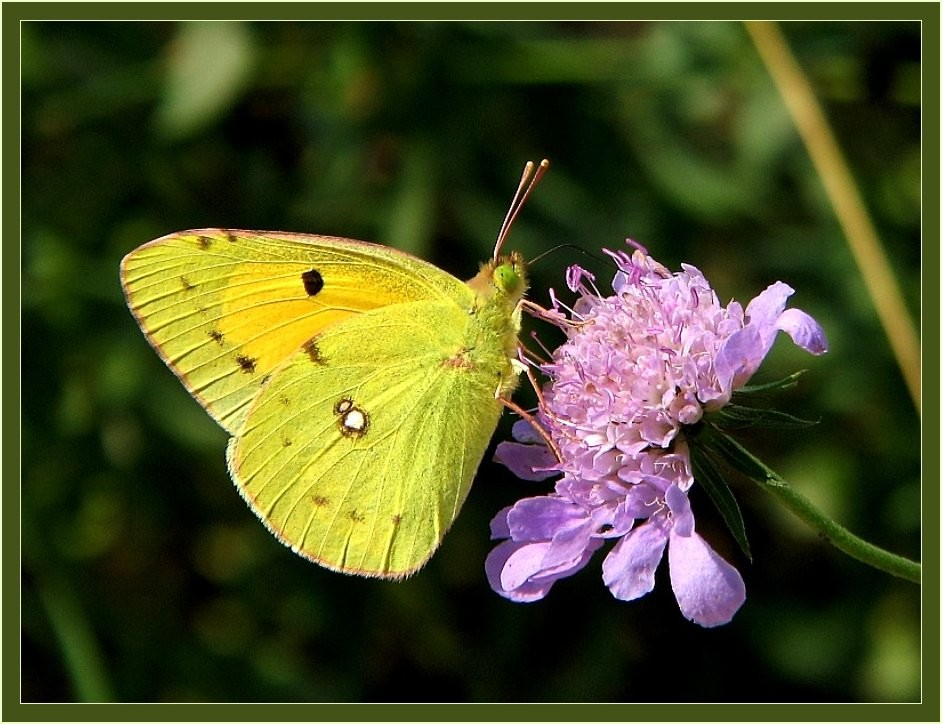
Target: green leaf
[708,475]
[737,457]
[785,383]
[739,416]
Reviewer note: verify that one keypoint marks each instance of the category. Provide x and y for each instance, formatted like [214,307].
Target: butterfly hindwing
[360,450]
[225,308]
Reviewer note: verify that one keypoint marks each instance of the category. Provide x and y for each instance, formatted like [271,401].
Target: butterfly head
[503,281]
[508,275]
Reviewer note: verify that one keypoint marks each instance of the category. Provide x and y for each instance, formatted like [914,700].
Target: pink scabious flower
[638,369]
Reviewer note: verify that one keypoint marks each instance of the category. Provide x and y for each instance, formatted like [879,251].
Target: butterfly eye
[506,278]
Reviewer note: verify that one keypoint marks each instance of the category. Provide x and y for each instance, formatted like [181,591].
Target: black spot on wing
[216,336]
[356,516]
[204,242]
[246,364]
[314,352]
[313,282]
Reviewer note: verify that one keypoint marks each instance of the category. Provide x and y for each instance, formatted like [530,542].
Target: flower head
[638,369]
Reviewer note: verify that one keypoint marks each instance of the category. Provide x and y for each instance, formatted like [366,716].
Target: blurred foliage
[145,578]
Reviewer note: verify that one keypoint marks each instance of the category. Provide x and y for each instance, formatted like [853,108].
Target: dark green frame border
[14,13]
[525,11]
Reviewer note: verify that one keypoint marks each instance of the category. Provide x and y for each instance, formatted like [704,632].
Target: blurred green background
[146,578]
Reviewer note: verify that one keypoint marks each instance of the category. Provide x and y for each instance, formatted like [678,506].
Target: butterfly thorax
[498,289]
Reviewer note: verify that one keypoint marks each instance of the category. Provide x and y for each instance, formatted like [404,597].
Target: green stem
[834,533]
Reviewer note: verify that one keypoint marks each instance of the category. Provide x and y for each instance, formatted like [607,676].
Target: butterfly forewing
[225,308]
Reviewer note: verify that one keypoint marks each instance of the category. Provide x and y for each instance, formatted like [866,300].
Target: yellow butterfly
[360,385]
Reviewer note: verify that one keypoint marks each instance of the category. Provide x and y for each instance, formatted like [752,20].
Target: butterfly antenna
[532,173]
[572,247]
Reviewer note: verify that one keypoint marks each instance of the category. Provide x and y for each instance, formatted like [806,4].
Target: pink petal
[542,517]
[523,431]
[628,570]
[499,525]
[681,514]
[522,563]
[527,462]
[569,544]
[738,358]
[803,330]
[494,567]
[709,590]
[769,305]
[516,571]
